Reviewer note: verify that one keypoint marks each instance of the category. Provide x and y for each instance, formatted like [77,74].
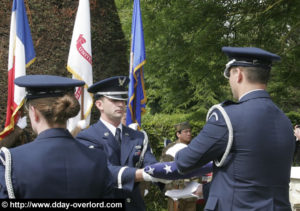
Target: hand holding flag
[148,178]
[169,171]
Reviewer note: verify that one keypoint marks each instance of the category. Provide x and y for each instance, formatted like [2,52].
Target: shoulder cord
[145,146]
[230,132]
[7,164]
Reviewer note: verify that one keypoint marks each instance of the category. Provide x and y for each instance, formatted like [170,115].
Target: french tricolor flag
[21,55]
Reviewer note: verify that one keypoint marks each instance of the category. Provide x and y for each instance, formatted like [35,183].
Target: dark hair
[98,97]
[257,74]
[176,133]
[57,110]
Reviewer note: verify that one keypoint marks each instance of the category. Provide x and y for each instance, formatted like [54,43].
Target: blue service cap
[248,57]
[41,86]
[114,88]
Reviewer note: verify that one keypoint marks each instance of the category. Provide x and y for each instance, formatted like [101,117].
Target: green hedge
[161,126]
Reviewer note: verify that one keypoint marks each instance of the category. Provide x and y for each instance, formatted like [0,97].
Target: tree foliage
[184,70]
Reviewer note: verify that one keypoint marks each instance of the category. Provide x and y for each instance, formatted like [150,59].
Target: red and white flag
[21,55]
[80,62]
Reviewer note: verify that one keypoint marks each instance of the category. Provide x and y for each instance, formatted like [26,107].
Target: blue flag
[136,91]
[169,171]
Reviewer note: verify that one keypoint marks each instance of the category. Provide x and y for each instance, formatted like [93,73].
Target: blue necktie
[118,135]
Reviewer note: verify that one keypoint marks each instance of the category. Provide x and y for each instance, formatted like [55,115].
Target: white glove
[199,191]
[134,126]
[22,123]
[149,178]
[82,124]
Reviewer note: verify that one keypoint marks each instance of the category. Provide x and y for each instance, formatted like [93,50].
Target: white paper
[295,172]
[187,192]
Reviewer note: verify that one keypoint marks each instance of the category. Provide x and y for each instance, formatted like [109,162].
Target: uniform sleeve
[3,190]
[210,144]
[108,185]
[123,176]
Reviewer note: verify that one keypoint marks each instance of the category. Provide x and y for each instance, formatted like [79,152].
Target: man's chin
[117,117]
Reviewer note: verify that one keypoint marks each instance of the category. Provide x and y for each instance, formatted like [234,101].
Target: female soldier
[54,165]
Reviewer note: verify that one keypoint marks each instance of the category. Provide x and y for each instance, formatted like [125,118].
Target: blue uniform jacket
[256,173]
[121,159]
[55,165]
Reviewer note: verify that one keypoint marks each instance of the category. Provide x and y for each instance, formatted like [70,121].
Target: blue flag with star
[136,90]
[169,171]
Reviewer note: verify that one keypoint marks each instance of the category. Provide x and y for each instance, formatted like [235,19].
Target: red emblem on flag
[78,92]
[81,50]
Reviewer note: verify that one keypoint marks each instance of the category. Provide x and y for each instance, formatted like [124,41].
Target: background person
[297,148]
[183,135]
[54,165]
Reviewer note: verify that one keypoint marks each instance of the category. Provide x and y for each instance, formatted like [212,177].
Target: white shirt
[174,149]
[111,128]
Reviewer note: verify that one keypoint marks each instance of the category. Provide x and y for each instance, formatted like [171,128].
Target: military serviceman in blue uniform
[54,165]
[251,140]
[123,146]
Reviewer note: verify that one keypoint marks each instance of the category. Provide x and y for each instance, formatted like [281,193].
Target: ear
[177,134]
[98,104]
[240,75]
[35,113]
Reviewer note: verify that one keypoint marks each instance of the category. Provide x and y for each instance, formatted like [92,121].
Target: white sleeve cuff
[120,177]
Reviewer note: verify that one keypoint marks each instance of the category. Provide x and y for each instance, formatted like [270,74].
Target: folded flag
[169,171]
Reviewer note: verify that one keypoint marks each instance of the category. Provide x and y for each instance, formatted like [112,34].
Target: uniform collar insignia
[106,134]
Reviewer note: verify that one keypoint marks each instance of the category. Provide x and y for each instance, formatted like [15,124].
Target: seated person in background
[184,136]
[297,148]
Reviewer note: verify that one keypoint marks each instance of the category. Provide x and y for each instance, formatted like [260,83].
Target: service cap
[248,57]
[41,86]
[114,88]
